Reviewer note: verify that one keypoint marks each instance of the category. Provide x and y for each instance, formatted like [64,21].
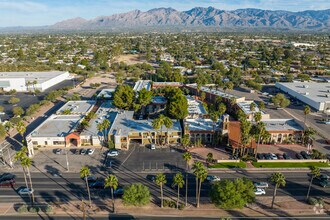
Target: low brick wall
[228,161]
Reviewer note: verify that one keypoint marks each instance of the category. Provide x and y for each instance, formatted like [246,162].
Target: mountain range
[206,17]
[198,18]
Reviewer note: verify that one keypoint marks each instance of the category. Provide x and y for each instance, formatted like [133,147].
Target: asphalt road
[69,186]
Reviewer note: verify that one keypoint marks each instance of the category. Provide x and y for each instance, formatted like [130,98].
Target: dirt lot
[131,59]
[201,153]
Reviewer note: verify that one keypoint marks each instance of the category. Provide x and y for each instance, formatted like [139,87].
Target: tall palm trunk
[31,187]
[186,188]
[89,194]
[255,155]
[113,200]
[309,187]
[177,201]
[26,183]
[274,195]
[161,195]
[196,191]
[199,192]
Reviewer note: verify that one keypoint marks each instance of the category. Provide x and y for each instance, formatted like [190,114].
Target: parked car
[112,153]
[119,191]
[90,151]
[58,151]
[90,179]
[273,156]
[279,156]
[325,183]
[151,177]
[83,151]
[299,156]
[259,192]
[24,191]
[212,178]
[152,146]
[305,155]
[323,177]
[286,156]
[8,183]
[261,185]
[260,156]
[97,185]
[7,176]
[267,156]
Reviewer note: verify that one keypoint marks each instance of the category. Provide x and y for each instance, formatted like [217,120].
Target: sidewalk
[284,206]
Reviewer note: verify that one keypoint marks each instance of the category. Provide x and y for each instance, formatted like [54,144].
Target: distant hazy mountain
[206,17]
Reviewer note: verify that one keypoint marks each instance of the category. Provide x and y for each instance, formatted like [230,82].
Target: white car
[112,153]
[152,146]
[212,178]
[259,192]
[59,151]
[261,185]
[25,191]
[273,156]
[90,151]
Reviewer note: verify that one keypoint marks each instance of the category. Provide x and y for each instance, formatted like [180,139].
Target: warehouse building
[316,95]
[30,81]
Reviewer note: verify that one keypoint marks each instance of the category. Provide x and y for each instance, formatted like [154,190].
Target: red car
[8,183]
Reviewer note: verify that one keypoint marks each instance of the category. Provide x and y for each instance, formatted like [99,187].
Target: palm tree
[100,129]
[279,180]
[168,124]
[156,125]
[19,156]
[214,117]
[179,182]
[307,111]
[21,128]
[106,124]
[187,157]
[314,172]
[200,172]
[84,173]
[112,182]
[160,181]
[27,162]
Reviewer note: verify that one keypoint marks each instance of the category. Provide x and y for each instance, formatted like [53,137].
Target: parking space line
[128,156]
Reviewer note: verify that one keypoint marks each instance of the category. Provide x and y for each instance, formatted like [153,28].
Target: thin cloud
[24,6]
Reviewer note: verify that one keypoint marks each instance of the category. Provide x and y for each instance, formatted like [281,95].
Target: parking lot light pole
[67,161]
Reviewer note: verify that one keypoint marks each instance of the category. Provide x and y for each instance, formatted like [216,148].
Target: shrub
[48,209]
[34,209]
[181,206]
[22,209]
[136,195]
[312,201]
[166,203]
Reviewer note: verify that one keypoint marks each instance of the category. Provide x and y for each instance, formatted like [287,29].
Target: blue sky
[45,12]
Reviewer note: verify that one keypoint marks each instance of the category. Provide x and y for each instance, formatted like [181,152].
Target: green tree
[21,128]
[168,124]
[222,109]
[157,124]
[112,182]
[185,140]
[13,100]
[232,194]
[177,106]
[261,106]
[3,131]
[179,182]
[1,108]
[280,101]
[136,195]
[144,97]
[187,158]
[279,180]
[314,172]
[124,97]
[161,181]
[84,173]
[18,111]
[215,118]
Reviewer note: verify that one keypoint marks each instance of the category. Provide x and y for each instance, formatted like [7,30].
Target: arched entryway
[72,139]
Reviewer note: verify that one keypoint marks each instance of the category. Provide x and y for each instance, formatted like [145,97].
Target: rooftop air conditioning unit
[306,93]
[306,86]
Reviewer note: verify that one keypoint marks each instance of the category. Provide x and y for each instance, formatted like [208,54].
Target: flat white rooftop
[201,124]
[214,91]
[245,106]
[124,124]
[282,125]
[106,93]
[140,84]
[40,77]
[318,92]
[57,126]
[77,107]
[195,106]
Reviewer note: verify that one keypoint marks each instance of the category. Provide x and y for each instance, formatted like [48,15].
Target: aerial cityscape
[165,109]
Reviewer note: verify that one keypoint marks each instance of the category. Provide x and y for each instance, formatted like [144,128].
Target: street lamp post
[67,161]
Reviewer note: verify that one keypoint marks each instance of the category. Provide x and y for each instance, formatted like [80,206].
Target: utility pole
[10,161]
